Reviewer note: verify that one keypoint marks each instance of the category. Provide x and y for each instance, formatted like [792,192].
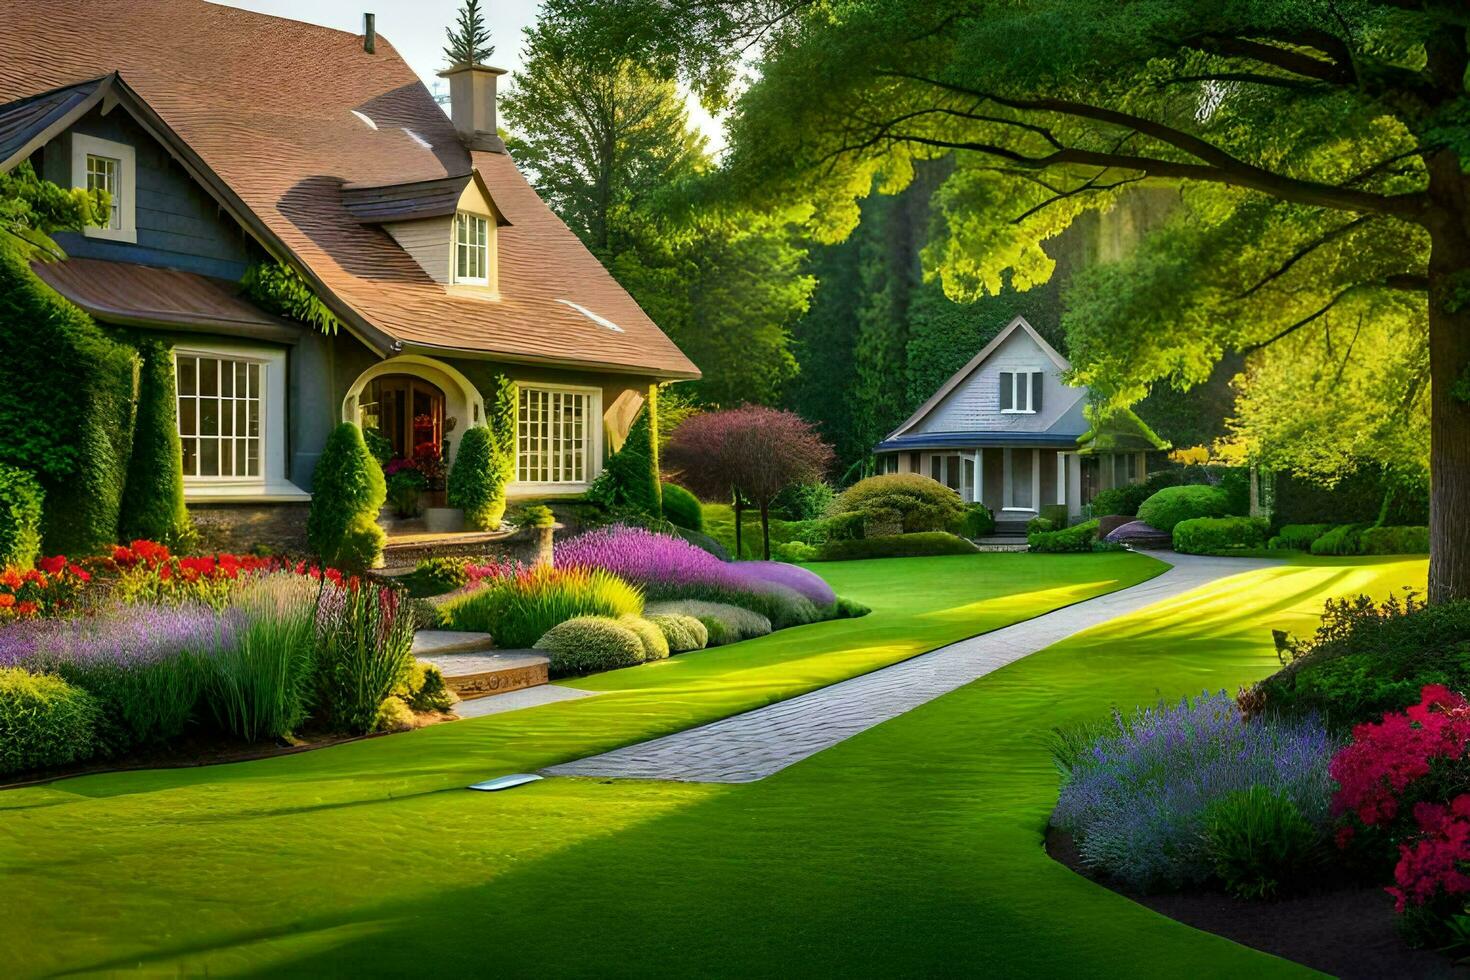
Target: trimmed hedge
[44,721]
[477,479]
[66,408]
[1207,535]
[21,500]
[1078,537]
[1394,541]
[724,622]
[1174,504]
[153,496]
[655,647]
[1341,540]
[1297,537]
[683,633]
[682,508]
[908,500]
[916,545]
[347,493]
[1126,500]
[977,522]
[588,644]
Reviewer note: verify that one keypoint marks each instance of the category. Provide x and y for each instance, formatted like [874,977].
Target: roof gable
[1019,324]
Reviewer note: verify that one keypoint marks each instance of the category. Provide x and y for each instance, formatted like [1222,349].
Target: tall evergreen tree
[469,39]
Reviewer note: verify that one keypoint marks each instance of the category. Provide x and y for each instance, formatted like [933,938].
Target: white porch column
[1061,477]
[1036,480]
[978,490]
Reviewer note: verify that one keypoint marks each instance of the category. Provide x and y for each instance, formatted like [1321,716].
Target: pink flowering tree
[747,455]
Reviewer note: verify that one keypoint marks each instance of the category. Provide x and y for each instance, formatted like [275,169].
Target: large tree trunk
[1449,371]
[765,529]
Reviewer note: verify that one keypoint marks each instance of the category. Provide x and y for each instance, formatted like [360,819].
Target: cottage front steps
[473,668]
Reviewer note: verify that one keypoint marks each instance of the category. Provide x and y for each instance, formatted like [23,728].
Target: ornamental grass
[517,608]
[364,650]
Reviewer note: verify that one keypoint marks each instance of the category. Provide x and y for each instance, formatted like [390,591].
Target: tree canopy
[469,39]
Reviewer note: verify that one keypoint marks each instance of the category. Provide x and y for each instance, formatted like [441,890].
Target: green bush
[143,702]
[655,647]
[724,622]
[1366,659]
[435,576]
[519,609]
[630,476]
[683,508]
[477,479]
[347,493]
[796,551]
[1078,537]
[1262,846]
[1056,513]
[392,715]
[423,688]
[533,516]
[977,522]
[21,501]
[1174,504]
[364,649]
[153,495]
[683,633]
[1039,525]
[914,545]
[845,608]
[44,721]
[66,408]
[588,644]
[1208,535]
[1297,537]
[1344,539]
[905,500]
[803,501]
[1126,500]
[839,527]
[1394,541]
[405,491]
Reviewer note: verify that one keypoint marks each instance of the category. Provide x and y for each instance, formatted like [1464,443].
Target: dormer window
[99,164]
[471,249]
[1020,392]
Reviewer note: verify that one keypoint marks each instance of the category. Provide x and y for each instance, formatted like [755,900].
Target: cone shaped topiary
[153,494]
[347,493]
[21,498]
[477,479]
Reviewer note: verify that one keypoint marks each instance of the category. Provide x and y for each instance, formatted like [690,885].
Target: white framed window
[99,163]
[471,249]
[231,403]
[558,436]
[1020,392]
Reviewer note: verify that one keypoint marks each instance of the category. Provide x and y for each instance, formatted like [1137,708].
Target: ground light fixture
[505,782]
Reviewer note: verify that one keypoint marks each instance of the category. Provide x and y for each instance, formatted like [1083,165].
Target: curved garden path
[750,746]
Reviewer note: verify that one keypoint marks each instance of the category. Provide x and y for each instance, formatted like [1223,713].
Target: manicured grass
[371,857]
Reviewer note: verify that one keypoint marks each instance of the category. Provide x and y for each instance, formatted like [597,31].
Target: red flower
[26,608]
[51,565]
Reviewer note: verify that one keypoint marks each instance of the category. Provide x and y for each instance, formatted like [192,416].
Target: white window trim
[594,429]
[272,483]
[1008,502]
[83,146]
[1017,389]
[454,277]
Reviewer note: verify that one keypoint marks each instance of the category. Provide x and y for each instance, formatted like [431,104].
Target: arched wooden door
[408,411]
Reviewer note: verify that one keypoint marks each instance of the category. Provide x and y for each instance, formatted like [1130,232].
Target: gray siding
[428,241]
[974,406]
[179,225]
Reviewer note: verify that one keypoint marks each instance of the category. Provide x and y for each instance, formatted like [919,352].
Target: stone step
[478,674]
[429,643]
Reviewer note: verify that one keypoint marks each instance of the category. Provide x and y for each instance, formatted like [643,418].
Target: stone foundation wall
[277,528]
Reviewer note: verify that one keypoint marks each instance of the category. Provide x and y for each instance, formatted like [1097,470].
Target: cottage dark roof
[275,110]
[141,295]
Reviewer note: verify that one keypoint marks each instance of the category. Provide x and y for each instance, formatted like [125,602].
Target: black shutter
[1036,391]
[1007,390]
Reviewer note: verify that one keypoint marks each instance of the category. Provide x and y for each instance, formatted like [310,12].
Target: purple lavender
[794,577]
[1136,797]
[646,558]
[126,636]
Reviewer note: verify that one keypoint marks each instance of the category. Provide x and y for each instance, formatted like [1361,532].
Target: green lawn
[372,855]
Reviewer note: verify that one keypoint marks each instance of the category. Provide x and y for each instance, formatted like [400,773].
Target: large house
[230,139]
[1008,431]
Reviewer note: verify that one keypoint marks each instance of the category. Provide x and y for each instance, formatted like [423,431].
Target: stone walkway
[751,746]
[530,697]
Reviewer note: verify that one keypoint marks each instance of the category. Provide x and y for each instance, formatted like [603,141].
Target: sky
[416,28]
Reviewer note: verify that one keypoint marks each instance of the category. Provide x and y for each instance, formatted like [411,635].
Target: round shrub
[518,607]
[1206,535]
[588,644]
[21,499]
[348,490]
[1394,541]
[153,496]
[477,479]
[916,545]
[655,647]
[44,721]
[907,502]
[392,715]
[1174,504]
[435,576]
[735,622]
[1345,539]
[683,633]
[682,508]
[1297,537]
[1078,537]
[424,688]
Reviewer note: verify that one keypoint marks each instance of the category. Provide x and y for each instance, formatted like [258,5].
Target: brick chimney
[472,105]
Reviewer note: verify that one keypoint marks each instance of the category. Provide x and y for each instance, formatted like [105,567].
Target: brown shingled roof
[267,105]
